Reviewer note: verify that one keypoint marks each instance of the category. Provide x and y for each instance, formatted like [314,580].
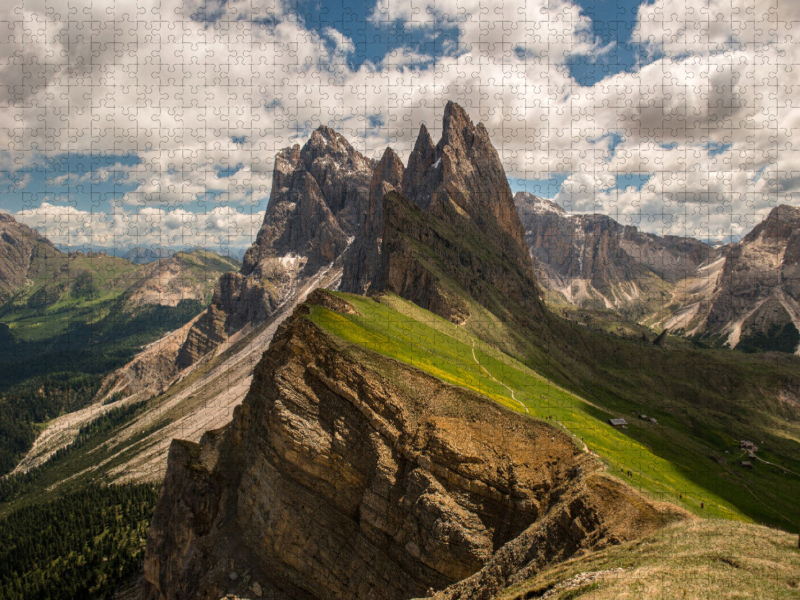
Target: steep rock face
[460,232]
[596,262]
[462,177]
[423,175]
[757,300]
[363,260]
[320,192]
[19,247]
[340,480]
[591,514]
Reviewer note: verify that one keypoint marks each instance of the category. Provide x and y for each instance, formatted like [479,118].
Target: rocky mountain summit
[318,202]
[463,175]
[756,302]
[347,475]
[457,183]
[362,263]
[326,208]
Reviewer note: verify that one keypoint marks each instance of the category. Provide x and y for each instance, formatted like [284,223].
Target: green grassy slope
[665,460]
[705,400]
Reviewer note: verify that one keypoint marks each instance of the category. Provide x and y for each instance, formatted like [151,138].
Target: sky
[156,122]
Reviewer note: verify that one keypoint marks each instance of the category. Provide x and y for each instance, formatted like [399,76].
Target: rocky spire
[319,193]
[423,175]
[473,179]
[363,260]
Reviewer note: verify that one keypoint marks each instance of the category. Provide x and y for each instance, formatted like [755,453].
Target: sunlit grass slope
[403,331]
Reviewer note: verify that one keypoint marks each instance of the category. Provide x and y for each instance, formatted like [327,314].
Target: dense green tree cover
[40,380]
[37,400]
[13,486]
[82,545]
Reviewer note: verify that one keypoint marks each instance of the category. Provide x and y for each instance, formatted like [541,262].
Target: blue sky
[601,105]
[374,42]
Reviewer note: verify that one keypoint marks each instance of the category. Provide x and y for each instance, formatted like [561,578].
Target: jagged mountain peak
[389,162]
[329,146]
[780,223]
[456,124]
[317,204]
[463,173]
[531,203]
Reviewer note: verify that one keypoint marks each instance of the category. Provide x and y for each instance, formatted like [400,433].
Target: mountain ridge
[742,295]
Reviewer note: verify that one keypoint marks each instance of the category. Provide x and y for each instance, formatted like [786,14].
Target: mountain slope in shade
[362,262]
[77,317]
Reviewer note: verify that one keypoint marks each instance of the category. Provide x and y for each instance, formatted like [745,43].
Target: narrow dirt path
[778,466]
[513,397]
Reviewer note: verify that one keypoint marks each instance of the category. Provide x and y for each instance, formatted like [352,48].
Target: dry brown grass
[708,559]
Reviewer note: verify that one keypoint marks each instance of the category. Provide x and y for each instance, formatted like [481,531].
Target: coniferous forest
[78,546]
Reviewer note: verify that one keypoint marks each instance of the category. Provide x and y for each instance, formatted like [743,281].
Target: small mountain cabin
[619,423]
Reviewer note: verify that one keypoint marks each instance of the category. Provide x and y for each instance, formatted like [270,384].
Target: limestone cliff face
[320,194]
[744,295]
[595,261]
[20,248]
[347,475]
[756,304]
[362,262]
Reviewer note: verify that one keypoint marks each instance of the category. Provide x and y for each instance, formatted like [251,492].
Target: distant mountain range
[68,318]
[743,295]
[146,254]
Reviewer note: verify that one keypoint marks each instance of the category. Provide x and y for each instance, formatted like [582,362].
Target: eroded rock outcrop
[319,197]
[340,480]
[756,304]
[362,262]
